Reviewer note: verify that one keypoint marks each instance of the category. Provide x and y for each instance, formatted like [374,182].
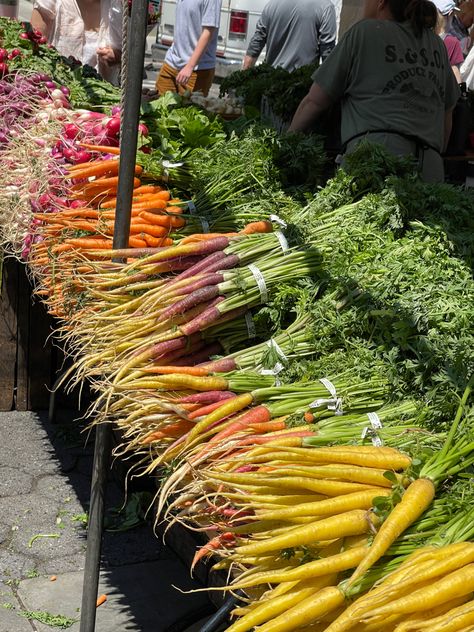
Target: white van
[238,21]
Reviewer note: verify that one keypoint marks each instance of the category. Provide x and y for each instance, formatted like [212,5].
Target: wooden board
[27,362]
[8,334]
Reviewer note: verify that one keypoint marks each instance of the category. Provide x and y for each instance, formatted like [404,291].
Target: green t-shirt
[388,79]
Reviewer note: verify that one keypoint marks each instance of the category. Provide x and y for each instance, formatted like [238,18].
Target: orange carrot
[100,600]
[85,212]
[162,220]
[89,243]
[150,204]
[148,188]
[156,242]
[258,227]
[170,430]
[136,242]
[95,168]
[101,148]
[212,546]
[154,231]
[258,414]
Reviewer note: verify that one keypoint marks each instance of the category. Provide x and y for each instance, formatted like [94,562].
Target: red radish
[143,129]
[24,36]
[3,54]
[71,130]
[69,154]
[82,156]
[113,126]
[3,69]
[116,110]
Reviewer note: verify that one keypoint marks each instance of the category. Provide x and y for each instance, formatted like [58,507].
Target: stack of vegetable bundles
[291,361]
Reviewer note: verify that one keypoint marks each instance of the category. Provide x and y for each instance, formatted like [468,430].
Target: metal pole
[215,622]
[128,147]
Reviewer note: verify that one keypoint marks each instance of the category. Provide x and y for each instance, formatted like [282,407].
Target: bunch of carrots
[324,526]
[307,530]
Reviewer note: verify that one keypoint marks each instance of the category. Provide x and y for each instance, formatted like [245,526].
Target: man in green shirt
[392,76]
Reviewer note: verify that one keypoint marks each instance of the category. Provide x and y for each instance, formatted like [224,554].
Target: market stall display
[290,358]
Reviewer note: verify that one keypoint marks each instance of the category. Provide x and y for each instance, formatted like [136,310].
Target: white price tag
[260,279]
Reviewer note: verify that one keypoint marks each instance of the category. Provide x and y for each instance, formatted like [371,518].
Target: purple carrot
[173,265]
[195,298]
[200,356]
[224,365]
[230,261]
[214,318]
[167,345]
[205,319]
[207,397]
[207,279]
[201,265]
[177,357]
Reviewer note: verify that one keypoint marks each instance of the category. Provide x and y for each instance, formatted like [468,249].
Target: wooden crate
[28,358]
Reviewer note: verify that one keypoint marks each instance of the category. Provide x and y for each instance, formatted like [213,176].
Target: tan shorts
[200,81]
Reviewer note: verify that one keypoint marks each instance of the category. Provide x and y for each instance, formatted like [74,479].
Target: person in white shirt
[88,30]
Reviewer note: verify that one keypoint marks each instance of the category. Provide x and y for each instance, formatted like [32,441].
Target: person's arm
[249,62]
[448,124]
[109,55]
[42,21]
[327,32]
[256,44]
[311,107]
[457,73]
[185,73]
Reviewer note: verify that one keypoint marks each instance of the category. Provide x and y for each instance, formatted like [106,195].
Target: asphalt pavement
[45,472]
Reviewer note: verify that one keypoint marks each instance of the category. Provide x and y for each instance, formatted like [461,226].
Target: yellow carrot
[317,568]
[351,523]
[415,500]
[455,556]
[439,616]
[355,474]
[329,507]
[325,487]
[383,460]
[307,611]
[273,607]
[456,584]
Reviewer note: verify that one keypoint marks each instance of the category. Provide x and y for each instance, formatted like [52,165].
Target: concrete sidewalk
[44,491]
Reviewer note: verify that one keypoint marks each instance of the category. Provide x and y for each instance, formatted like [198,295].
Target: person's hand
[108,55]
[184,75]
